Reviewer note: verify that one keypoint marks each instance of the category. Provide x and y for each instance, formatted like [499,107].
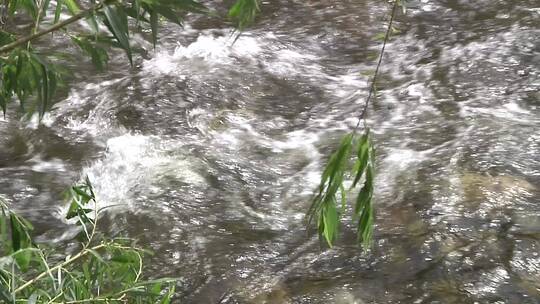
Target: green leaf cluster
[102,271]
[23,74]
[32,79]
[331,199]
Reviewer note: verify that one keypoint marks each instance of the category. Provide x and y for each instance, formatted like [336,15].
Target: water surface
[211,151]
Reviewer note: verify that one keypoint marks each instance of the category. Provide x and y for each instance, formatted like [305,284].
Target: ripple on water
[213,149]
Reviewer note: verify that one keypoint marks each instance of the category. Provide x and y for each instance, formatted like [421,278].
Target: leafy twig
[61,265]
[10,46]
[324,205]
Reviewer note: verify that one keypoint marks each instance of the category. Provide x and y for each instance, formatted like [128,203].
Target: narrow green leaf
[96,255]
[331,220]
[80,192]
[243,12]
[23,258]
[116,21]
[58,10]
[154,26]
[137,6]
[167,298]
[91,19]
[15,233]
[72,6]
[4,231]
[99,55]
[156,288]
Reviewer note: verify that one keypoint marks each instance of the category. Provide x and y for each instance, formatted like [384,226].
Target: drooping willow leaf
[324,204]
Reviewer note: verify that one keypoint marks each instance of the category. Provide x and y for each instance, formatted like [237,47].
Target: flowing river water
[209,151]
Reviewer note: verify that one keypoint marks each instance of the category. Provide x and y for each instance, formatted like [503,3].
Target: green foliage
[116,21]
[79,197]
[325,207]
[32,80]
[72,6]
[102,271]
[243,12]
[24,73]
[99,55]
[363,209]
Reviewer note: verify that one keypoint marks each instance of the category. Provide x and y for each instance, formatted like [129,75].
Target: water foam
[207,49]
[134,164]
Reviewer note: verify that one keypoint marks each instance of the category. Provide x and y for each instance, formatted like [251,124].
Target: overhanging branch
[10,46]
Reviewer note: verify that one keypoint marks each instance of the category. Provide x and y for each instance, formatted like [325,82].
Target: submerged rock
[478,188]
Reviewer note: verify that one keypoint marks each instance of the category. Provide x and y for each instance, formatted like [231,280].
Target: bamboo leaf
[58,10]
[15,233]
[23,258]
[72,6]
[91,19]
[116,21]
[154,26]
[81,193]
[243,12]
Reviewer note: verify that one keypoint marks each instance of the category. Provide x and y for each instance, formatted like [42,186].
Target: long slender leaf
[72,6]
[154,26]
[116,21]
[58,10]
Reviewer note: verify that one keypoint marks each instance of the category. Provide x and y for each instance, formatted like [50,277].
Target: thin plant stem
[362,116]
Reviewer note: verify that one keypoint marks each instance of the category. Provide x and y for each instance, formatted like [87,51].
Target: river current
[208,151]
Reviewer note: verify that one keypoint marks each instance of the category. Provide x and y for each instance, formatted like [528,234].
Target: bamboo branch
[61,265]
[10,46]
